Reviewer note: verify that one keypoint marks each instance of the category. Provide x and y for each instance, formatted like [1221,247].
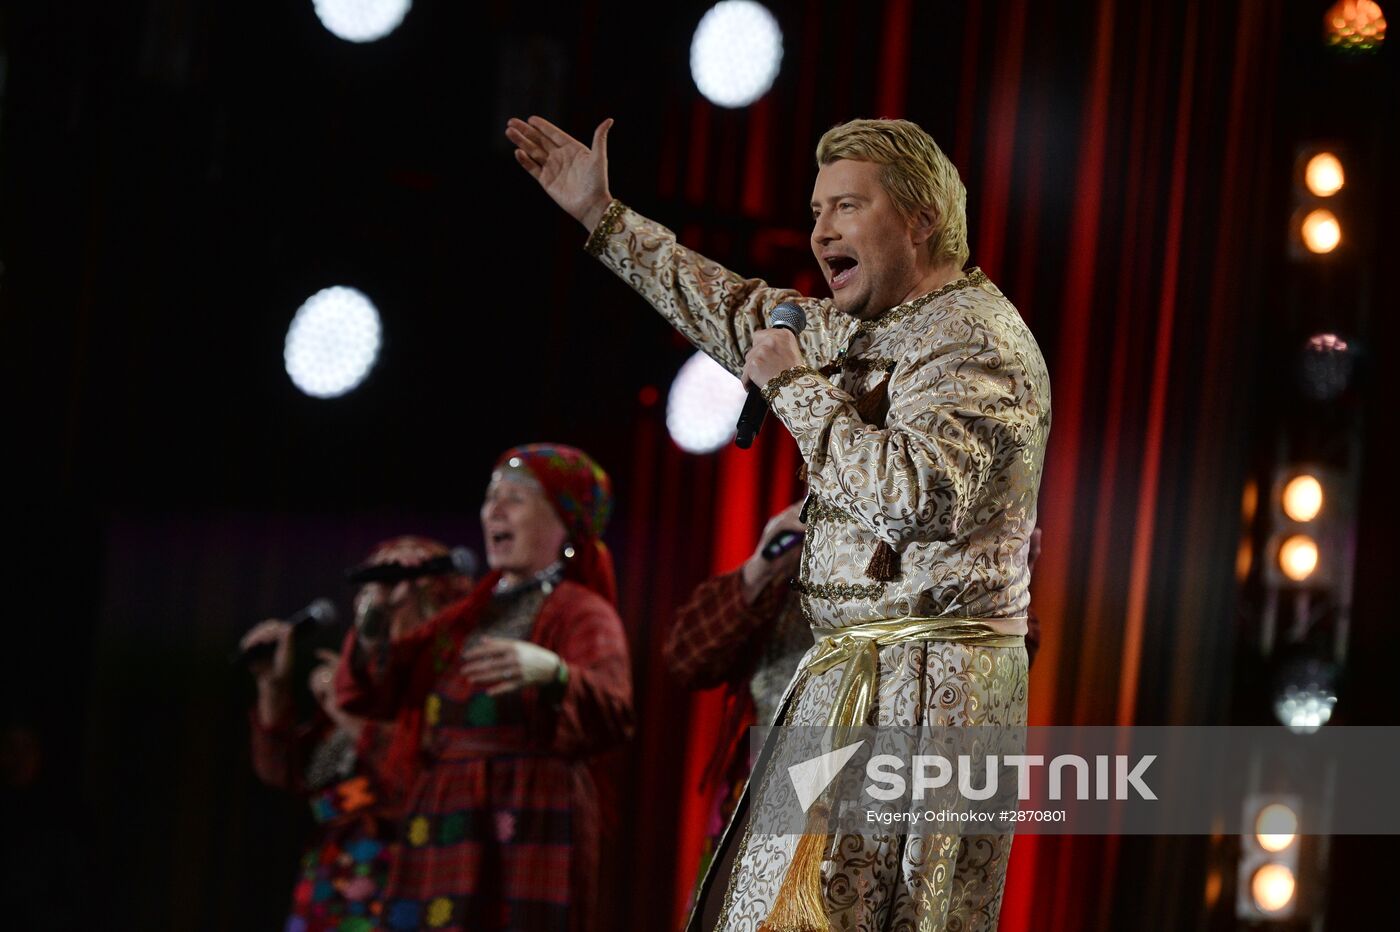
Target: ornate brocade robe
[948,478]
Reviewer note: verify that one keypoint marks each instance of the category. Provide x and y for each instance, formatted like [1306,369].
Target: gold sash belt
[859,648]
[800,905]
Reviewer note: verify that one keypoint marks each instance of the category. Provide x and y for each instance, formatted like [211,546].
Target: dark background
[178,176]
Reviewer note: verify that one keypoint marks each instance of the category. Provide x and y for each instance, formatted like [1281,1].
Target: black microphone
[782,542]
[319,614]
[788,316]
[460,560]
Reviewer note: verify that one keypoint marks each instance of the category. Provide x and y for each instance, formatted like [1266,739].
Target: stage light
[1305,694]
[1276,827]
[1297,557]
[1249,500]
[1324,176]
[1321,231]
[735,53]
[1355,26]
[1302,498]
[361,20]
[333,342]
[1272,888]
[1326,366]
[1244,559]
[704,404]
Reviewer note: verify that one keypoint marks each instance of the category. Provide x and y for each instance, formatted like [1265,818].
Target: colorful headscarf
[581,494]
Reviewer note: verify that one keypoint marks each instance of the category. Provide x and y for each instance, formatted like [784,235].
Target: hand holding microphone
[773,352]
[777,554]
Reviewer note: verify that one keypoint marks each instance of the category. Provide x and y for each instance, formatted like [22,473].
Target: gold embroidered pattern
[974,278]
[610,224]
[839,592]
[819,509]
[862,366]
[786,377]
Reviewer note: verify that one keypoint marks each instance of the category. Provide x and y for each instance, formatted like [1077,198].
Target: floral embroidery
[819,509]
[505,826]
[439,912]
[607,226]
[432,710]
[784,378]
[895,314]
[839,592]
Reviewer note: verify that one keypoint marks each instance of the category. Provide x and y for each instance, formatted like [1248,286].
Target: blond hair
[914,173]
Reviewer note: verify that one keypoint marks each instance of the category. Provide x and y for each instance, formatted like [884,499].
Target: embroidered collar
[546,579]
[973,277]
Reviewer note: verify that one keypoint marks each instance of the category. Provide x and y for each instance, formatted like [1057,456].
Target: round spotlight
[1302,498]
[1355,26]
[332,342]
[1326,366]
[705,402]
[1305,694]
[1324,176]
[1276,827]
[1272,888]
[735,53]
[1297,557]
[361,20]
[1321,230]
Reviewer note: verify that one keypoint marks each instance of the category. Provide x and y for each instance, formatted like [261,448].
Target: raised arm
[716,309]
[574,175]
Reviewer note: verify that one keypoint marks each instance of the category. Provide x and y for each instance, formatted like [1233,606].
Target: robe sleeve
[593,710]
[717,636]
[960,410]
[280,752]
[715,309]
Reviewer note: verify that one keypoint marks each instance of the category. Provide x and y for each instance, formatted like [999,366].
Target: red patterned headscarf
[581,494]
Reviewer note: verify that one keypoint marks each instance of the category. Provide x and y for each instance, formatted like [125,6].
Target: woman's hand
[503,665]
[277,669]
[273,675]
[758,571]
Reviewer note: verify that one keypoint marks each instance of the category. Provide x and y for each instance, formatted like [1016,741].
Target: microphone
[790,317]
[319,614]
[781,543]
[461,560]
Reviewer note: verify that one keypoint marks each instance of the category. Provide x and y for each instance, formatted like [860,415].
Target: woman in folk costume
[499,701]
[333,759]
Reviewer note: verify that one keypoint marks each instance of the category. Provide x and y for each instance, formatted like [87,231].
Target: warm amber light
[1297,557]
[1272,886]
[1275,827]
[1321,231]
[1249,500]
[1302,498]
[1324,176]
[1355,25]
[1244,559]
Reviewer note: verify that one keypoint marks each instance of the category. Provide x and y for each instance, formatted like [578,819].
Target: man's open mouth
[843,268]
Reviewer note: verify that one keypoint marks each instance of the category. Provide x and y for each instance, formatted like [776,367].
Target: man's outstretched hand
[570,172]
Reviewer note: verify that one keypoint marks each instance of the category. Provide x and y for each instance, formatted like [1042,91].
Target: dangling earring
[569,551]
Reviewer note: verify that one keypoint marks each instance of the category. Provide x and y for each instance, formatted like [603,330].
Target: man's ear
[922,225]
